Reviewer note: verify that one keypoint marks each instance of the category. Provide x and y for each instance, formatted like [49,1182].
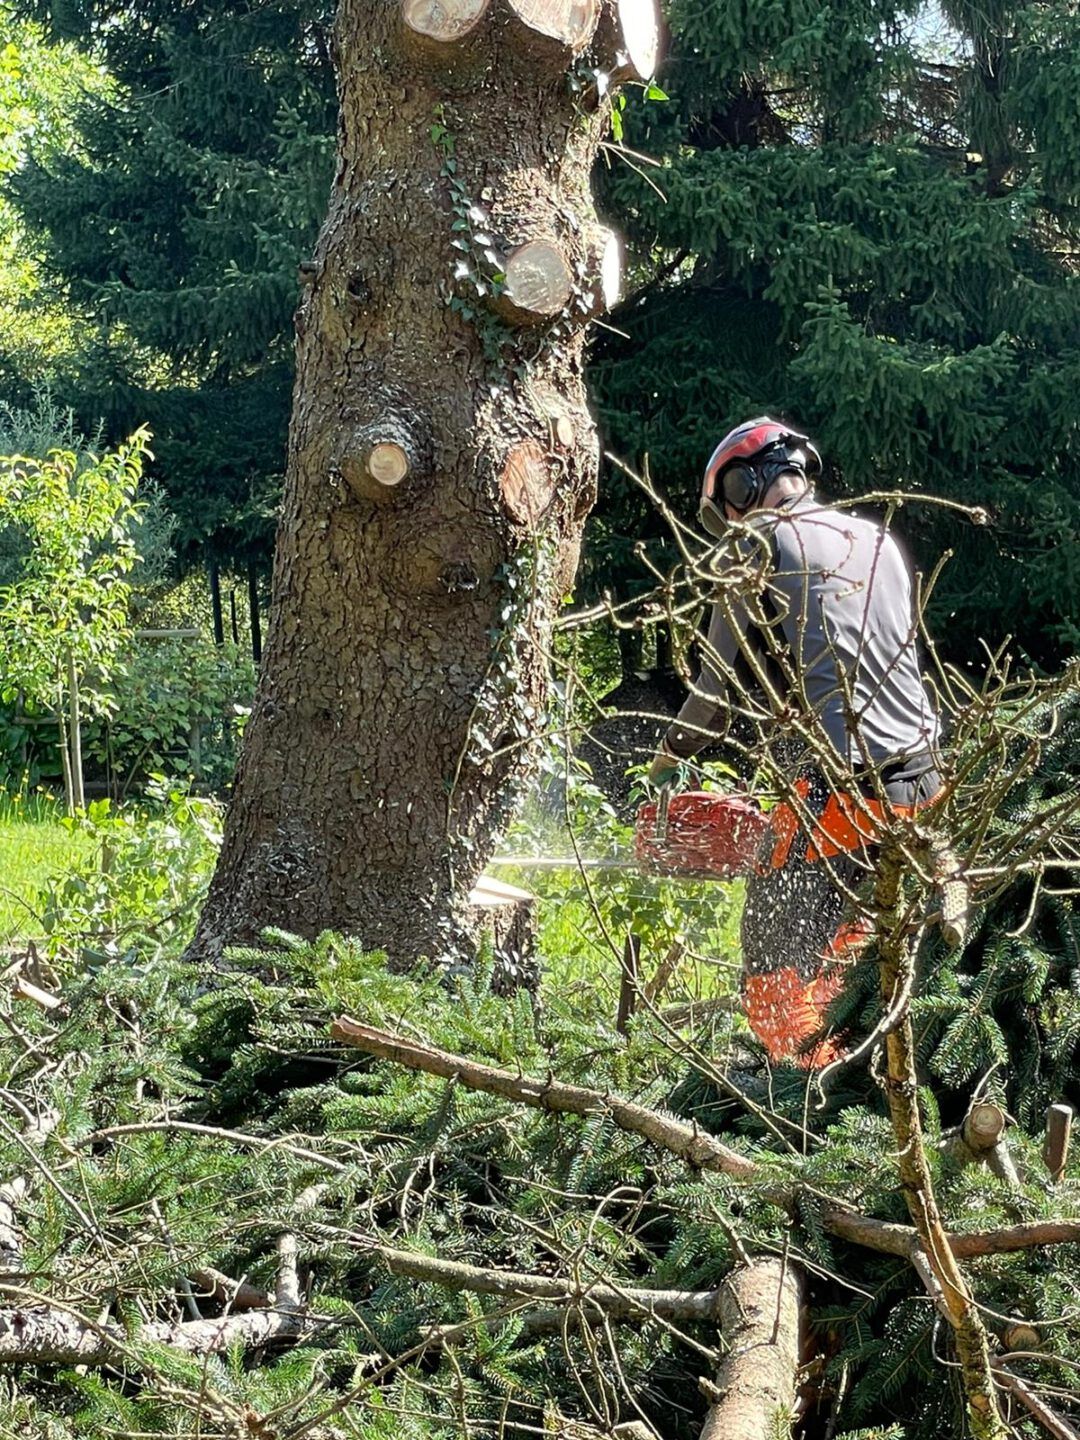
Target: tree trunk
[442,460]
[65,748]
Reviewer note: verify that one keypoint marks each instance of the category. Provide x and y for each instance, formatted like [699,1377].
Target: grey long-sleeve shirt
[841,592]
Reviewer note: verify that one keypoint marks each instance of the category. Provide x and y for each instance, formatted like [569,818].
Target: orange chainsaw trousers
[798,936]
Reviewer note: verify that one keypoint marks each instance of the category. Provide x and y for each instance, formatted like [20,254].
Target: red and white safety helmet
[745,464]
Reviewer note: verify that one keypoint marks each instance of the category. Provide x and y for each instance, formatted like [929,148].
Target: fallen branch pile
[758,1380]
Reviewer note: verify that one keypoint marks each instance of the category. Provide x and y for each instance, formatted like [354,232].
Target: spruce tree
[176,224]
[865,219]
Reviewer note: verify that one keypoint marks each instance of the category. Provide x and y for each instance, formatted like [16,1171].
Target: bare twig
[214,1132]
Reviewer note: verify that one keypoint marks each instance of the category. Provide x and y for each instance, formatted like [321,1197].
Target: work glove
[664,768]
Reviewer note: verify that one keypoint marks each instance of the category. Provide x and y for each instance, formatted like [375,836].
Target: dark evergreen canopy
[873,211]
[178,225]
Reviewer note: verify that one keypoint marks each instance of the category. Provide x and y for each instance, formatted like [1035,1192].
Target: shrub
[178,707]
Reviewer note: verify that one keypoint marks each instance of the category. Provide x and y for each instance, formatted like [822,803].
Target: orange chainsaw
[697,834]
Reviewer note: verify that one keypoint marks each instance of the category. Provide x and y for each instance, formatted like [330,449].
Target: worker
[839,647]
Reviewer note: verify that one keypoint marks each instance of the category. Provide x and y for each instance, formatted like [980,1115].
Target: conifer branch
[215,1132]
[684,1141]
[892,1239]
[617,1302]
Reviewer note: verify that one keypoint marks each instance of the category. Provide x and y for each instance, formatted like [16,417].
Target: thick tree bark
[442,460]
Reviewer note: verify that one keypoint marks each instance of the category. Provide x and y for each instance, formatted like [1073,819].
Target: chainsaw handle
[663,800]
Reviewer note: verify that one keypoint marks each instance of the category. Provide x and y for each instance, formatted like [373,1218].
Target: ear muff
[741,485]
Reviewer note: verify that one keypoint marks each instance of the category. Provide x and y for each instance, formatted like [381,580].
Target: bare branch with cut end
[760,1316]
[617,1302]
[32,1334]
[1059,1120]
[683,1141]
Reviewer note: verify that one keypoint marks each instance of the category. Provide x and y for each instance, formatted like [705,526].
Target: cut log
[527,483]
[537,285]
[761,1319]
[443,21]
[570,22]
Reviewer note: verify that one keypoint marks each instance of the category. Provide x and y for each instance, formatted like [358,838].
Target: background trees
[174,223]
[865,217]
[67,523]
[868,219]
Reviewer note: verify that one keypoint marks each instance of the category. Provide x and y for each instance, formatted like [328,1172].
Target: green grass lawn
[33,843]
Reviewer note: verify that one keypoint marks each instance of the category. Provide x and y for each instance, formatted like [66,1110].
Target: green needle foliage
[246,1123]
[176,224]
[865,218]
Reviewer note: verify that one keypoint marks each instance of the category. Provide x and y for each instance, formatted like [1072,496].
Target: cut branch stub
[570,22]
[442,21]
[627,47]
[1059,1120]
[526,483]
[609,286]
[377,459]
[537,285]
[639,22]
[1021,1335]
[387,463]
[984,1125]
